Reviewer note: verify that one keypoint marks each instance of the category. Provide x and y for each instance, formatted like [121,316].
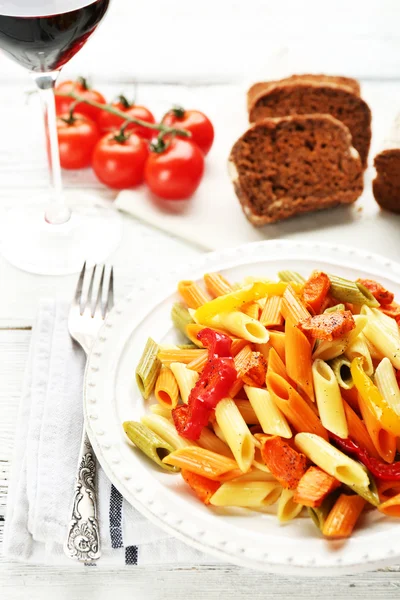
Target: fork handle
[83,538]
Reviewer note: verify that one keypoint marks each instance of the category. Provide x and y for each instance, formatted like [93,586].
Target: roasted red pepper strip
[213,385]
[378,468]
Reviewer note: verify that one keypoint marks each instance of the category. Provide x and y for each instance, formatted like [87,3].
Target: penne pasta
[168,355]
[291,276]
[255,475]
[247,411]
[314,487]
[359,348]
[275,365]
[333,461]
[384,442]
[292,307]
[386,382]
[329,400]
[151,444]
[335,308]
[391,507]
[198,363]
[180,317]
[201,461]
[212,442]
[298,358]
[288,508]
[327,350]
[383,332]
[249,494]
[192,294]
[357,430]
[240,325]
[203,487]
[343,516]
[164,428]
[319,514]
[148,369]
[217,285]
[341,368]
[278,343]
[166,389]
[163,411]
[271,419]
[252,310]
[351,292]
[236,433]
[271,315]
[185,378]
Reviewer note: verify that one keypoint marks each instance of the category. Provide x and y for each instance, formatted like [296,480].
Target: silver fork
[86,317]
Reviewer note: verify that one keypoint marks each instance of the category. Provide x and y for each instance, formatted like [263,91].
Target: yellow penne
[163,411]
[358,347]
[386,382]
[271,315]
[271,419]
[383,332]
[255,475]
[166,390]
[173,354]
[210,441]
[217,285]
[331,460]
[240,325]
[219,433]
[202,461]
[329,399]
[185,378]
[166,430]
[247,494]
[236,433]
[192,294]
[288,509]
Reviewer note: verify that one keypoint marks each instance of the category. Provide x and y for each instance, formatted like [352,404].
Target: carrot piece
[203,488]
[377,290]
[357,430]
[391,310]
[314,487]
[315,291]
[217,285]
[343,516]
[285,463]
[256,370]
[328,326]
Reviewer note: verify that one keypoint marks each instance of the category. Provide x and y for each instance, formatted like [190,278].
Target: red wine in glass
[42,36]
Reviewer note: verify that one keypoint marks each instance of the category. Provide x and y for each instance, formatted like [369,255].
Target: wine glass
[46,237]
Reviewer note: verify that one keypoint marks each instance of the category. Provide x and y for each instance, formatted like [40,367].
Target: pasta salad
[284,393]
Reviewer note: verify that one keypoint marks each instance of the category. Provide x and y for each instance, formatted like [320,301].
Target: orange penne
[192,294]
[314,487]
[201,461]
[351,397]
[203,488]
[294,407]
[357,430]
[271,315]
[298,358]
[343,516]
[384,442]
[199,363]
[277,341]
[387,489]
[241,361]
[186,356]
[292,307]
[217,285]
[247,412]
[251,309]
[238,345]
[285,463]
[166,390]
[275,364]
[391,507]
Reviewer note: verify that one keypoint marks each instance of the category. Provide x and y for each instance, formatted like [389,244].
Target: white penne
[166,430]
[185,378]
[329,399]
[358,347]
[162,411]
[210,441]
[327,350]
[383,332]
[270,417]
[341,367]
[243,326]
[374,352]
[236,433]
[386,381]
[256,475]
[287,508]
[247,494]
[331,460]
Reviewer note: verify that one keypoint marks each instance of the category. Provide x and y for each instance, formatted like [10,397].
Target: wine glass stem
[57,212]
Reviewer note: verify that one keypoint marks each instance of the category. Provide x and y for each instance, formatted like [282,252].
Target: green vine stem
[160,127]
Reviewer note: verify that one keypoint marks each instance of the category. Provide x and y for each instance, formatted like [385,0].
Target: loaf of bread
[386,185]
[305,96]
[285,166]
[262,86]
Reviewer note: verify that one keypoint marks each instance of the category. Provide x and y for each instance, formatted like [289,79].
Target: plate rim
[232,257]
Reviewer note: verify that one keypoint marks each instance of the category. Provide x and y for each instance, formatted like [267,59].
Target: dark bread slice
[313,97]
[386,185]
[290,165]
[262,86]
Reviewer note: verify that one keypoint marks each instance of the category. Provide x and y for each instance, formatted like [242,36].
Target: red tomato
[194,121]
[120,164]
[176,172]
[80,87]
[76,140]
[109,122]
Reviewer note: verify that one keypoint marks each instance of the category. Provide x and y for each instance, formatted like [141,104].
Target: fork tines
[100,294]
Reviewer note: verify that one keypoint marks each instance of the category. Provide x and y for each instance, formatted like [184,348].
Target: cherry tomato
[76,140]
[109,122]
[176,172]
[81,87]
[194,121]
[120,163]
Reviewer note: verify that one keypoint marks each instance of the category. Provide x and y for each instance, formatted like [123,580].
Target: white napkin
[47,443]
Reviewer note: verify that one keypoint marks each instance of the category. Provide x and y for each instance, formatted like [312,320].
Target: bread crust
[386,185]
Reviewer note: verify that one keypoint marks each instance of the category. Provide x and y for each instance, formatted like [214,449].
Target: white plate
[244,537]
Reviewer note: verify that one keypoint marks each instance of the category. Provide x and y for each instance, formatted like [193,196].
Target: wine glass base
[33,245]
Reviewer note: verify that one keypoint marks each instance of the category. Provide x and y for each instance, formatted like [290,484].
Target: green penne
[291,276]
[335,308]
[148,369]
[149,443]
[371,493]
[341,368]
[319,514]
[345,290]
[181,317]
